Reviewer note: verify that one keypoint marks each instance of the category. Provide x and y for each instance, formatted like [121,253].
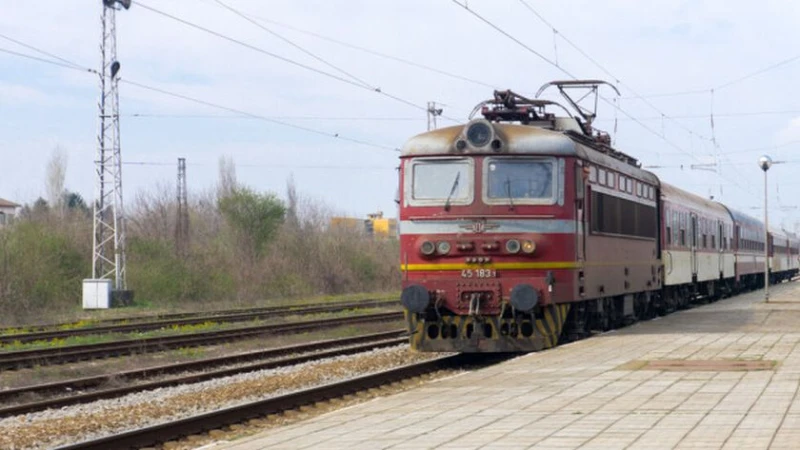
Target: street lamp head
[765,162]
[110,3]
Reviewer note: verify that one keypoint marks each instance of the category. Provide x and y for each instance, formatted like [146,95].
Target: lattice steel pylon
[108,254]
[182,219]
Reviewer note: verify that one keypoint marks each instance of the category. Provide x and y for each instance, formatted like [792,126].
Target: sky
[736,59]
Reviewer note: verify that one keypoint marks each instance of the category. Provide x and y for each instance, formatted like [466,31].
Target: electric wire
[718,115]
[290,61]
[544,58]
[566,72]
[293,44]
[255,116]
[264,166]
[210,104]
[757,72]
[754,149]
[374,52]
[607,72]
[320,118]
[691,132]
[38,50]
[723,85]
[47,61]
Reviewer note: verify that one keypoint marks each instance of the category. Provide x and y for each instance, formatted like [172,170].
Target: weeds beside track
[184,319]
[60,355]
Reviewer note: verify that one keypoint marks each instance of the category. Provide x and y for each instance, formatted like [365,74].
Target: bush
[242,249]
[42,268]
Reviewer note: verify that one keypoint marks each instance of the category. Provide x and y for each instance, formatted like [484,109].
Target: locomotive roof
[520,140]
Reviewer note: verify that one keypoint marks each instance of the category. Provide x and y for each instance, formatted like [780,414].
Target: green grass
[93,318]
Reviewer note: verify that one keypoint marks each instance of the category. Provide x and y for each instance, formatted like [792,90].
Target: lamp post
[765,162]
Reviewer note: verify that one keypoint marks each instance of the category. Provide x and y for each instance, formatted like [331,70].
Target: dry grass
[45,255]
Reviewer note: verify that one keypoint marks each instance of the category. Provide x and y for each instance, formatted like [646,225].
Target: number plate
[478,273]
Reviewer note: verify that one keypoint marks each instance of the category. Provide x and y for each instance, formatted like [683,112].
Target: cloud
[789,133]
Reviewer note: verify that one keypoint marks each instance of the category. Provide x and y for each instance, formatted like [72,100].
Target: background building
[8,210]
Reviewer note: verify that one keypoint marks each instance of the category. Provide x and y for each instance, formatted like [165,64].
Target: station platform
[723,375]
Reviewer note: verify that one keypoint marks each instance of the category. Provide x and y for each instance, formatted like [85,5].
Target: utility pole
[765,162]
[432,114]
[182,221]
[108,249]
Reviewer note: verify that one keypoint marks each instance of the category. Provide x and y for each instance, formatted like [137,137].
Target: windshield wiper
[452,191]
[508,192]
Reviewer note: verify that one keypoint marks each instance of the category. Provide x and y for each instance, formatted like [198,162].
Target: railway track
[257,360]
[60,355]
[173,430]
[229,316]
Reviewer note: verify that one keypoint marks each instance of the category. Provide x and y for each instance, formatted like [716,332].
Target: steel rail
[169,431]
[198,313]
[219,316]
[28,358]
[129,375]
[347,346]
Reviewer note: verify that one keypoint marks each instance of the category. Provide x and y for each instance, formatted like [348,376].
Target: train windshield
[520,180]
[437,181]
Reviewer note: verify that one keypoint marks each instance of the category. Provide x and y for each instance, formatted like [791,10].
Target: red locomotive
[523,229]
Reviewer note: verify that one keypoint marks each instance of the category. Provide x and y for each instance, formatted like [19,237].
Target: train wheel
[609,314]
[577,324]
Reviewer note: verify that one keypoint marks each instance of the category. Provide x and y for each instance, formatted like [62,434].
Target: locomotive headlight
[443,247]
[427,248]
[528,247]
[512,246]
[479,134]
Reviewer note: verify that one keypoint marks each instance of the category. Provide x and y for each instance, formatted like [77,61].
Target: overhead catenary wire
[692,133]
[717,115]
[604,69]
[211,104]
[47,61]
[237,117]
[293,44]
[375,52]
[255,116]
[725,84]
[552,63]
[290,61]
[38,50]
[266,166]
[754,149]
[566,72]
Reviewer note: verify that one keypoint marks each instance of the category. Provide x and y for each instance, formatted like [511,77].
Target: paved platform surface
[598,393]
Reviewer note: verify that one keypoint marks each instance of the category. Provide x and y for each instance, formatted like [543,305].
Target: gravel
[71,424]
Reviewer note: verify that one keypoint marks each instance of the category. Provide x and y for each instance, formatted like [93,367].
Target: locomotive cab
[490,218]
[508,233]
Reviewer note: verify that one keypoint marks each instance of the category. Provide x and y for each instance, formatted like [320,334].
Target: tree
[255,216]
[55,173]
[74,201]
[292,218]
[40,206]
[227,177]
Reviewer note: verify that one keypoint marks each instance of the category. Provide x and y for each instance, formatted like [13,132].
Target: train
[526,228]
